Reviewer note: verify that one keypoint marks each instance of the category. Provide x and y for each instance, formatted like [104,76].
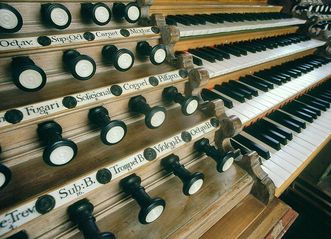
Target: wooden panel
[271,221]
[183,215]
[189,7]
[251,219]
[185,44]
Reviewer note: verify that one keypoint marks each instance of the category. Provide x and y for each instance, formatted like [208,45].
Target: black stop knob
[5,176]
[27,75]
[150,208]
[112,131]
[99,13]
[130,12]
[154,116]
[82,67]
[156,54]
[58,151]
[192,182]
[81,213]
[121,59]
[189,104]
[55,15]
[224,161]
[10,19]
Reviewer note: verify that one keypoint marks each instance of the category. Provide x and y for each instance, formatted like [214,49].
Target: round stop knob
[27,75]
[189,105]
[10,19]
[121,59]
[150,208]
[112,131]
[55,15]
[58,151]
[156,54]
[5,176]
[192,182]
[81,213]
[224,161]
[82,67]
[154,116]
[130,12]
[99,13]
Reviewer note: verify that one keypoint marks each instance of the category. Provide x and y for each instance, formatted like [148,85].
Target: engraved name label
[62,39]
[73,190]
[108,34]
[66,39]
[17,217]
[11,44]
[90,96]
[140,31]
[84,98]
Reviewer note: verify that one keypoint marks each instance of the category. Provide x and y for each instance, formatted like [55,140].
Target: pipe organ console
[158,119]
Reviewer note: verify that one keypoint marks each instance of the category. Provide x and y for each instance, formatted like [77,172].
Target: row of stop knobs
[58,16]
[59,151]
[151,208]
[29,77]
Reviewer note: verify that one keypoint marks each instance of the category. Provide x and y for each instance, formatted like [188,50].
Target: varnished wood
[243,221]
[183,215]
[195,42]
[180,7]
[250,70]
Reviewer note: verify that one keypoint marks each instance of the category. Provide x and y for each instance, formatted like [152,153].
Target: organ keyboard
[205,24]
[288,137]
[118,118]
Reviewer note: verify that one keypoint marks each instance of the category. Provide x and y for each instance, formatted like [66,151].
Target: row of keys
[288,136]
[204,24]
[58,16]
[223,59]
[202,19]
[61,151]
[28,76]
[151,208]
[255,94]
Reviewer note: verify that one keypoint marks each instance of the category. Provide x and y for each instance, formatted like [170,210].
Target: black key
[223,53]
[201,55]
[261,135]
[235,144]
[197,61]
[260,81]
[287,121]
[316,99]
[229,50]
[300,104]
[253,83]
[277,136]
[211,95]
[299,122]
[263,152]
[312,103]
[269,78]
[227,91]
[244,87]
[301,115]
[245,93]
[216,55]
[276,128]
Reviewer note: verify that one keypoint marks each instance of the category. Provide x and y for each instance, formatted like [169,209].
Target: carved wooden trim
[198,78]
[263,188]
